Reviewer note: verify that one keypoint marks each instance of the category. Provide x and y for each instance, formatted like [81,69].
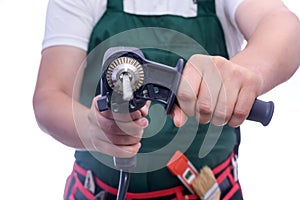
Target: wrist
[262,69]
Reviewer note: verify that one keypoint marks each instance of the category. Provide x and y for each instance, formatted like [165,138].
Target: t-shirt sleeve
[230,7]
[70,22]
[226,10]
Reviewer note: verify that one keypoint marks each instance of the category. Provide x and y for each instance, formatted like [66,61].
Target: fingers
[145,109]
[122,117]
[224,106]
[199,88]
[242,108]
[178,116]
[213,89]
[109,139]
[190,83]
[125,151]
[205,106]
[117,134]
[117,138]
[125,117]
[228,93]
[111,126]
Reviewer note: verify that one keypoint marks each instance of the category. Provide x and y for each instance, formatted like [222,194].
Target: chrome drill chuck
[125,75]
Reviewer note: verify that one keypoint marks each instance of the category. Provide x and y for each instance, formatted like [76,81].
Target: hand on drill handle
[116,134]
[214,89]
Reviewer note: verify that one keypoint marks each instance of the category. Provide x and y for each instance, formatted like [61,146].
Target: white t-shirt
[70,22]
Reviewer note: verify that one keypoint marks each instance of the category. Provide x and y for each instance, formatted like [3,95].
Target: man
[222,96]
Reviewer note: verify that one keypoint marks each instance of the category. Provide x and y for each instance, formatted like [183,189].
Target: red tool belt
[225,174]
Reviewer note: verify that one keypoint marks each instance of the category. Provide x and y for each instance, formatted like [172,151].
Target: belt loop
[235,167]
[89,182]
[101,196]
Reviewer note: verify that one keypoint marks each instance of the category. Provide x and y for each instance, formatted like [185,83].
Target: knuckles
[123,139]
[205,108]
[185,97]
[221,117]
[240,114]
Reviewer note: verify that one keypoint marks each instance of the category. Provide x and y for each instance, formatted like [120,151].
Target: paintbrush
[205,185]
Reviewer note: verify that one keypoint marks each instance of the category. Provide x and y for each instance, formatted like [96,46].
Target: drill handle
[125,163]
[262,112]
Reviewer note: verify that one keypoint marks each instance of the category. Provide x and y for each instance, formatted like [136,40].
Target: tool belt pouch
[226,176]
[75,189]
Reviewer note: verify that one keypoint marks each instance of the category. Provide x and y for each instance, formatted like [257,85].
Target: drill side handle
[262,112]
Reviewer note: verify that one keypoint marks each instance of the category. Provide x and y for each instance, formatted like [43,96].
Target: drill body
[129,80]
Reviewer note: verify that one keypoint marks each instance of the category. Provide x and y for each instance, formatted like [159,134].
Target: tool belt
[225,173]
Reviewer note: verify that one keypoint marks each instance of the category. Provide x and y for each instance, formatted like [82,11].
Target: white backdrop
[34,166]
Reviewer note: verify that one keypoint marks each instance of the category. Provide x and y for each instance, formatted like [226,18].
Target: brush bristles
[205,184]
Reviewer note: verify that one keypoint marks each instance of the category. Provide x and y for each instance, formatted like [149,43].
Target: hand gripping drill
[129,80]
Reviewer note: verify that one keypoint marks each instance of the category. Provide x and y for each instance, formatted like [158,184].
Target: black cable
[123,184]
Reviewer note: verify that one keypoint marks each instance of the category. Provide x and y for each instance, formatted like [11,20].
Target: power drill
[129,80]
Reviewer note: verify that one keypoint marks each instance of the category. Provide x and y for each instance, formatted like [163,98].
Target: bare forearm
[55,89]
[55,115]
[272,49]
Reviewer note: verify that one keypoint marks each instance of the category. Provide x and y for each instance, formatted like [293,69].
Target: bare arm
[59,114]
[52,99]
[273,35]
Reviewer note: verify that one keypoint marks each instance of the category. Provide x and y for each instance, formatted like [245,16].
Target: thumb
[145,109]
[178,116]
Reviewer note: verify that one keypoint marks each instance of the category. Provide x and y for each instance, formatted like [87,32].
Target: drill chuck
[125,75]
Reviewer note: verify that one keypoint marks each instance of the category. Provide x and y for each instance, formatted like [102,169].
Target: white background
[34,166]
